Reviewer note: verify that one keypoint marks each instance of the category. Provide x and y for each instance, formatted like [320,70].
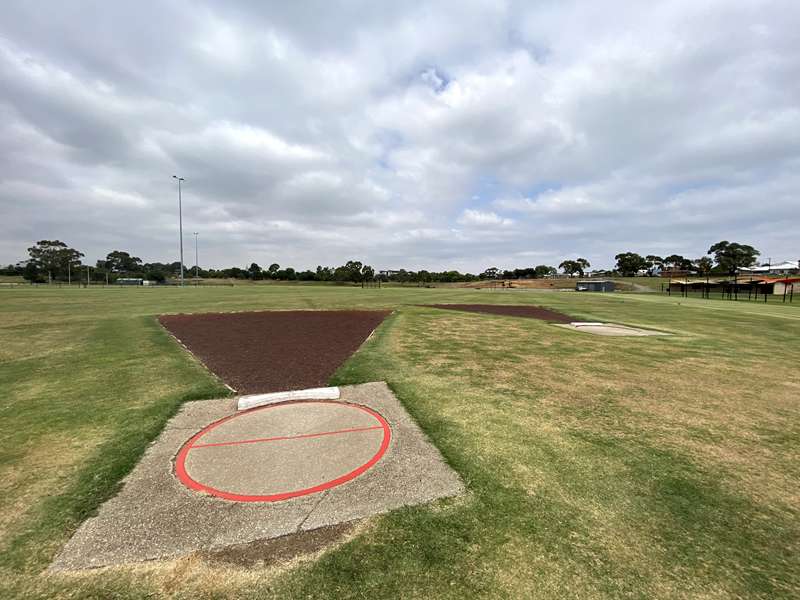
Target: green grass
[596,467]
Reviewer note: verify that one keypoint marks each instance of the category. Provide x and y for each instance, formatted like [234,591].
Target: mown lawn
[597,467]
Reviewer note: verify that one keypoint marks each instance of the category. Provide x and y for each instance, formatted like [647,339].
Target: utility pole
[196,263]
[180,221]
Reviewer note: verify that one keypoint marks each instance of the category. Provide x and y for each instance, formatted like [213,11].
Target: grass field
[596,467]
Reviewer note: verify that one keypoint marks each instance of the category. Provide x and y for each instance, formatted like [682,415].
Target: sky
[438,135]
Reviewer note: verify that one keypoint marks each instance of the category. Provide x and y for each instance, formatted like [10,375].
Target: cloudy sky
[451,135]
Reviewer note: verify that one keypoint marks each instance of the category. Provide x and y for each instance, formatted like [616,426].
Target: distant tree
[628,263]
[12,270]
[273,270]
[678,262]
[324,273]
[703,265]
[730,256]
[572,267]
[254,271]
[54,257]
[31,272]
[235,273]
[544,271]
[120,262]
[350,271]
[307,275]
[156,276]
[367,273]
[490,273]
[654,261]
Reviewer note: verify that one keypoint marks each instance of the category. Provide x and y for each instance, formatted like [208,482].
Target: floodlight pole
[196,263]
[180,221]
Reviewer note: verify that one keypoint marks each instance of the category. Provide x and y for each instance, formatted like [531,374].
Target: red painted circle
[188,481]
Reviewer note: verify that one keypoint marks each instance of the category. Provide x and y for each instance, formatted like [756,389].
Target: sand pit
[255,352]
[509,310]
[217,478]
[611,329]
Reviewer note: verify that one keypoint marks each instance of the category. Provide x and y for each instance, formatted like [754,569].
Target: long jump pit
[218,477]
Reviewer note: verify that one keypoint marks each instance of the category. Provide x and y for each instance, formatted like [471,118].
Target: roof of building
[782,266]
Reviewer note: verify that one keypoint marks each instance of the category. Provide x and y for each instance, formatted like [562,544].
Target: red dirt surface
[258,352]
[511,310]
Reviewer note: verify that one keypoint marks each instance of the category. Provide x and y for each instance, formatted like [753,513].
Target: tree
[490,273]
[157,276]
[655,261]
[323,273]
[254,271]
[367,273]
[678,262]
[12,270]
[731,256]
[570,267]
[544,271]
[273,269]
[703,265]
[120,262]
[350,271]
[31,272]
[579,265]
[54,257]
[628,263]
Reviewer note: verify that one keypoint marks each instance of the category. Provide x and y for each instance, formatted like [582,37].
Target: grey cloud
[313,133]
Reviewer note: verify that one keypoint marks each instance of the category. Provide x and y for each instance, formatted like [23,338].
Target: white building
[786,267]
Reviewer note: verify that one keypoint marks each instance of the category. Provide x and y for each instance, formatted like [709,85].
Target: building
[786,267]
[595,285]
[130,281]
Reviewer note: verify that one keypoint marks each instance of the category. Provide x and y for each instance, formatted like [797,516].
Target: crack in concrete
[313,508]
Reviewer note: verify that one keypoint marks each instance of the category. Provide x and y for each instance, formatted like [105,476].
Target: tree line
[722,258]
[54,260]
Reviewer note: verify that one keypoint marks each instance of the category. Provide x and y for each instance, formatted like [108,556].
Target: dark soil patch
[257,352]
[510,310]
[263,553]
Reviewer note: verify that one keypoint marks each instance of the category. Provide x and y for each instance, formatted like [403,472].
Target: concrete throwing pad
[283,451]
[215,477]
[611,329]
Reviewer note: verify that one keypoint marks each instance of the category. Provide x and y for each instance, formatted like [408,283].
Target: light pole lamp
[180,221]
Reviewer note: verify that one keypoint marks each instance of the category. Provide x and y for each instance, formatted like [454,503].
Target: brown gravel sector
[511,310]
[257,352]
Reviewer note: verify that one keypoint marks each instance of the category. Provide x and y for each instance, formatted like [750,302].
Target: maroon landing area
[258,352]
[531,312]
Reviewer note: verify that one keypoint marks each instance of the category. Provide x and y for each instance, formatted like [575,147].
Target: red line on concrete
[186,479]
[286,437]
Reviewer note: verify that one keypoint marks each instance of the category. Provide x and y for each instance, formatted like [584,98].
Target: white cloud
[445,135]
[472,217]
